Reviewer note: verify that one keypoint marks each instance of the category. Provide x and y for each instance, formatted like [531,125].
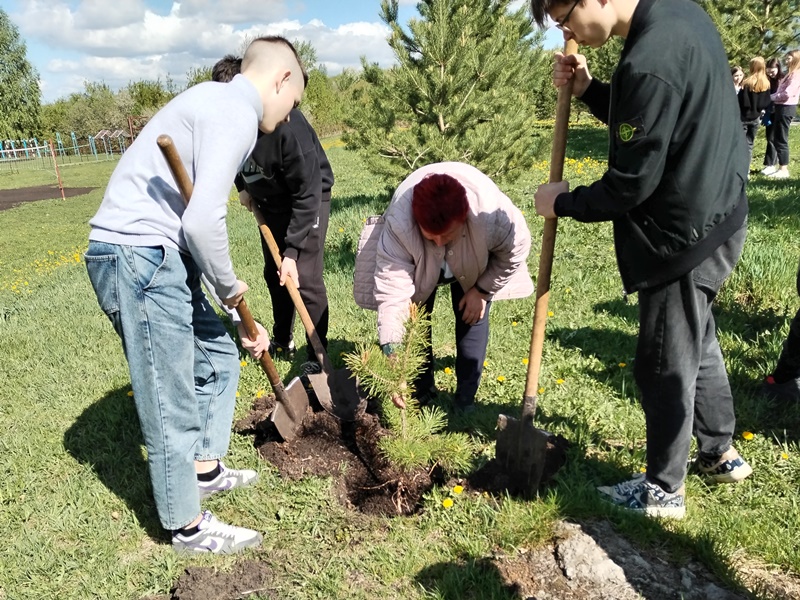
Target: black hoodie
[678,160]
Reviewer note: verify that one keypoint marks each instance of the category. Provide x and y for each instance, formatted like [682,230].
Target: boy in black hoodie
[289,179]
[675,192]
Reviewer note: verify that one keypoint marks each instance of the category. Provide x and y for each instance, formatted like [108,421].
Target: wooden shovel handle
[549,235]
[294,293]
[186,187]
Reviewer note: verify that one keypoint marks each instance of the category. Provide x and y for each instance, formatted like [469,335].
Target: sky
[70,42]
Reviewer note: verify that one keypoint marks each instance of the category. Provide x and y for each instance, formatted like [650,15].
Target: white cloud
[136,42]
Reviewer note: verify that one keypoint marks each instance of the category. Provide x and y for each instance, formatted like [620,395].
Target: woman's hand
[472,306]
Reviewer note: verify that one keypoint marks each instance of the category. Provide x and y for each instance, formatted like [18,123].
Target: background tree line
[471,80]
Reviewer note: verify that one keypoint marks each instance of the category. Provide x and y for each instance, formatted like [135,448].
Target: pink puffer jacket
[395,265]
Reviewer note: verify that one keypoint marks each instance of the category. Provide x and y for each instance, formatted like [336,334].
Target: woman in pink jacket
[449,224]
[784,101]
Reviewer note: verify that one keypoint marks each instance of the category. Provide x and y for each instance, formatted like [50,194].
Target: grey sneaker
[310,367]
[642,496]
[216,537]
[727,468]
[227,479]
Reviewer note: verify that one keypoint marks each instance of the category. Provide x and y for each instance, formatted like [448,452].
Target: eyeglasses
[562,24]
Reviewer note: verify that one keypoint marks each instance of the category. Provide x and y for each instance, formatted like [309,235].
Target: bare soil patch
[12,198]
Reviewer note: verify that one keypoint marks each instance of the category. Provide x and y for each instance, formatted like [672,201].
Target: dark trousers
[789,362]
[471,342]
[770,153]
[781,121]
[679,368]
[309,270]
[750,132]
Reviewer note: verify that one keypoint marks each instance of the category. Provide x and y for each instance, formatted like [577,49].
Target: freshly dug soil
[11,198]
[347,452]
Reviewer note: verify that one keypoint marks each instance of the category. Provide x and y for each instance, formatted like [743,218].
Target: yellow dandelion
[448,370]
[568,291]
[237,394]
[748,435]
[514,323]
[130,394]
[550,313]
[447,503]
[642,469]
[559,381]
[540,390]
[622,365]
[524,361]
[500,378]
[458,490]
[486,363]
[259,393]
[243,363]
[341,229]
[784,456]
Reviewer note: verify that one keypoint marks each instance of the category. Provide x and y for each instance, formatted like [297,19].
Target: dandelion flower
[130,394]
[642,469]
[237,394]
[458,490]
[622,365]
[486,363]
[784,456]
[568,290]
[550,313]
[748,435]
[541,391]
[447,503]
[514,323]
[259,393]
[500,378]
[559,381]
[243,363]
[524,361]
[448,370]
[341,229]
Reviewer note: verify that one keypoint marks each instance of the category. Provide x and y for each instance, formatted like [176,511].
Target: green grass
[75,509]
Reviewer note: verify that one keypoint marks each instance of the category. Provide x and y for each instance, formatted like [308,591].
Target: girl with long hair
[784,102]
[754,99]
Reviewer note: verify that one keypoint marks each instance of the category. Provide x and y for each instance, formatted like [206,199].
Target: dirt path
[15,197]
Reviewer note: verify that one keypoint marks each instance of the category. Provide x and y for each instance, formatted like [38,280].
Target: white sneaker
[216,537]
[781,174]
[769,170]
[227,479]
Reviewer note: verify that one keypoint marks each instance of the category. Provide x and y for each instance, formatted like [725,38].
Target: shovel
[522,448]
[292,400]
[335,389]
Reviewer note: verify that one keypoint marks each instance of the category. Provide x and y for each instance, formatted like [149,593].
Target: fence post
[58,173]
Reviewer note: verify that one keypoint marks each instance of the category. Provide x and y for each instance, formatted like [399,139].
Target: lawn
[76,515]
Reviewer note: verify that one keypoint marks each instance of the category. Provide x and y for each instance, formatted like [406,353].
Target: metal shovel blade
[290,409]
[522,451]
[337,393]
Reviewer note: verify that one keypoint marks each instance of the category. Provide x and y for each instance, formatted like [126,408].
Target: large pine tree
[756,27]
[19,86]
[471,79]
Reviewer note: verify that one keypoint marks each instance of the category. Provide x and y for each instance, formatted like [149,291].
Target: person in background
[289,178]
[754,100]
[738,76]
[447,224]
[775,75]
[147,252]
[675,192]
[784,102]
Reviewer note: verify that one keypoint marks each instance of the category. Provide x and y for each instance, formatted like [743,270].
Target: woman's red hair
[438,202]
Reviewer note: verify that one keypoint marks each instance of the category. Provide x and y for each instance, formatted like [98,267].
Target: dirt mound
[347,452]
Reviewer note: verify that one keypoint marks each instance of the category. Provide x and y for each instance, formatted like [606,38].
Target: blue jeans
[184,366]
[679,368]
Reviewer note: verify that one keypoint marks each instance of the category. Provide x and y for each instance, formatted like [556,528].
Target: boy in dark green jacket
[675,192]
